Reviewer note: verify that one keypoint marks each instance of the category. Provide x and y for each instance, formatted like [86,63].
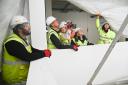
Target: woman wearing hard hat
[18,53]
[106,34]
[80,38]
[64,36]
[53,36]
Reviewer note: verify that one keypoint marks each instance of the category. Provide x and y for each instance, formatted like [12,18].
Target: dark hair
[70,24]
[78,38]
[103,27]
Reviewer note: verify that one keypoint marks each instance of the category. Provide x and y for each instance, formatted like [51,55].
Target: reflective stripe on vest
[64,40]
[104,40]
[21,83]
[50,44]
[15,63]
[15,70]
[106,37]
[80,43]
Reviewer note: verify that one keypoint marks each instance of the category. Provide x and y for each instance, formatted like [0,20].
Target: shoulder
[13,45]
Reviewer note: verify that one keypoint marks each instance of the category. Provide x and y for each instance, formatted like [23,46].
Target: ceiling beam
[66,6]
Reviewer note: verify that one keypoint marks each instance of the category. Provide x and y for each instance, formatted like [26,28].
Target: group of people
[65,35]
[18,52]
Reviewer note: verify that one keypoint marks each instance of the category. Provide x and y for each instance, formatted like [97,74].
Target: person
[106,33]
[53,36]
[18,53]
[70,29]
[80,39]
[64,37]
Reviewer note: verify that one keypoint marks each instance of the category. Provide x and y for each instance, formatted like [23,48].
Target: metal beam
[66,6]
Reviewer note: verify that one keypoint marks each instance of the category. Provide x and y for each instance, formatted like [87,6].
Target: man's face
[55,25]
[27,29]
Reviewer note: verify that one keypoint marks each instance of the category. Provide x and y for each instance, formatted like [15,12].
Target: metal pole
[125,22]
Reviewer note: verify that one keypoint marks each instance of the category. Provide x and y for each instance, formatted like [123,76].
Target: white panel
[109,10]
[39,73]
[68,67]
[115,67]
[37,21]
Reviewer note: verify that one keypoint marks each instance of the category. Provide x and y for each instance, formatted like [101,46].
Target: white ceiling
[64,6]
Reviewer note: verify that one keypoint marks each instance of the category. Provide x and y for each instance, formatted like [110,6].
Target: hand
[74,47]
[47,53]
[98,13]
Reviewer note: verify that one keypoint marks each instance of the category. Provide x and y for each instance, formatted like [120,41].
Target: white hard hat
[62,24]
[104,23]
[77,29]
[69,21]
[18,20]
[50,19]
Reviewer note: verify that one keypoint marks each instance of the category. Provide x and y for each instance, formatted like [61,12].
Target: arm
[34,49]
[57,43]
[98,22]
[17,49]
[72,42]
[113,35]
[85,38]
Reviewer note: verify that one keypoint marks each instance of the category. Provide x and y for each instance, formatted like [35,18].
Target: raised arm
[98,22]
[98,14]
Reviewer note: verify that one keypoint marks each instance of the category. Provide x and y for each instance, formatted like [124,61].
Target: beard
[26,32]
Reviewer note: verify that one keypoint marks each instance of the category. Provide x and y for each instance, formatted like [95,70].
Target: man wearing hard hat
[53,36]
[18,53]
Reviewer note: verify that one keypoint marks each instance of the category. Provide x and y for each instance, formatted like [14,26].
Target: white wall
[83,20]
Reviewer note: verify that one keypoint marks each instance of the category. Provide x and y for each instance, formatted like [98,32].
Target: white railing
[67,67]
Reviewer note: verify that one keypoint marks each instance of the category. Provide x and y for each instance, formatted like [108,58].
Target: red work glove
[74,47]
[47,53]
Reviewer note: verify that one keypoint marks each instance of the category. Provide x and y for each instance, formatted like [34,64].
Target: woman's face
[79,33]
[72,34]
[106,26]
[63,30]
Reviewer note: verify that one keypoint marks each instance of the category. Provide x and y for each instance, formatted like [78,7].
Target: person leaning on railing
[54,41]
[80,39]
[18,53]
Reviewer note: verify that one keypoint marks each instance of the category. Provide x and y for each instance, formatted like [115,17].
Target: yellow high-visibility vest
[14,70]
[50,44]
